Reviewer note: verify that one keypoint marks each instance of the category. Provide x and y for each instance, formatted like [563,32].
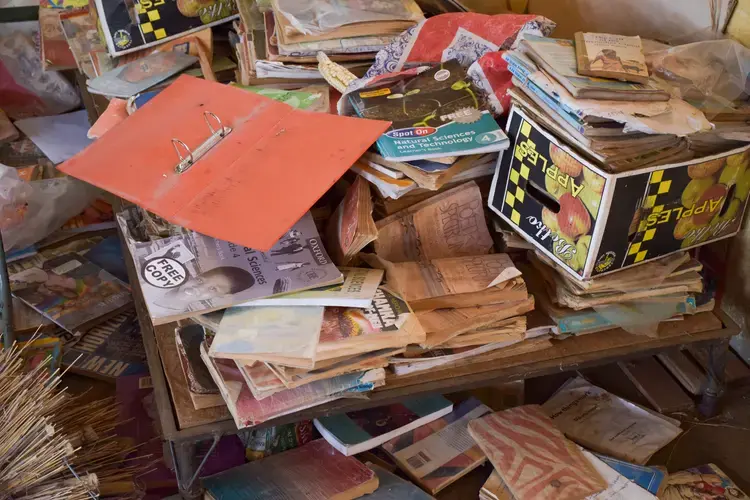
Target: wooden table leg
[718,352]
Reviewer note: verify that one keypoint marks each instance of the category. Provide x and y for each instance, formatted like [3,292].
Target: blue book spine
[648,478]
[522,73]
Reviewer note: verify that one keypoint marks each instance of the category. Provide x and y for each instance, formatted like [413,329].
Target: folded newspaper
[190,273]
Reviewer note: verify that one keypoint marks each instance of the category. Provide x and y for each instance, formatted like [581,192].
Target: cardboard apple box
[592,222]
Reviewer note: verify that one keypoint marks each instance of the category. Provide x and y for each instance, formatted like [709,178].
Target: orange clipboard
[224,162]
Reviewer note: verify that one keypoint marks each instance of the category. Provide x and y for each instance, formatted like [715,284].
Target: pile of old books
[280,45]
[446,301]
[657,291]
[470,302]
[596,93]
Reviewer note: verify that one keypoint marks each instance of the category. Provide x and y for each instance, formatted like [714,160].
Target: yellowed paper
[451,224]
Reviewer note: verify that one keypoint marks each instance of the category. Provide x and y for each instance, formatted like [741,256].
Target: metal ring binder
[217,134]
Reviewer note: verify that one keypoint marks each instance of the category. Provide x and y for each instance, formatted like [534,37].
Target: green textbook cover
[435,113]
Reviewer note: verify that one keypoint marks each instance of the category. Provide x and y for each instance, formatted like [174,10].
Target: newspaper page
[439,277]
[181,276]
[450,224]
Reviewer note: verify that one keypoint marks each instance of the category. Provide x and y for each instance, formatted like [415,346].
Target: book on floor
[314,470]
[531,455]
[611,56]
[71,291]
[439,453]
[357,431]
[181,276]
[705,482]
[392,487]
[650,478]
[607,423]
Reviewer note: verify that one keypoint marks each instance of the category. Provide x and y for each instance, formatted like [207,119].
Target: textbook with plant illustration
[435,113]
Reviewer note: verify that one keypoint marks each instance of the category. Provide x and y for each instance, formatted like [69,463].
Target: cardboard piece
[257,168]
[562,203]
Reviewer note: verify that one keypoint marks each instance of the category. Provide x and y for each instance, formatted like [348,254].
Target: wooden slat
[595,349]
[574,350]
[657,385]
[684,370]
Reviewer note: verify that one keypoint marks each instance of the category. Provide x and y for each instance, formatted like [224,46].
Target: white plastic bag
[31,211]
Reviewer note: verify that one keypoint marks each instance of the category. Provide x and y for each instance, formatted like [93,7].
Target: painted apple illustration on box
[726,179]
[575,219]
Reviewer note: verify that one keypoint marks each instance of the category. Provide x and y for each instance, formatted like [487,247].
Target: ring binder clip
[192,157]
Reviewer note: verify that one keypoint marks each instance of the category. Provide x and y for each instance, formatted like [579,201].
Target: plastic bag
[25,88]
[711,75]
[30,211]
[320,16]
[642,317]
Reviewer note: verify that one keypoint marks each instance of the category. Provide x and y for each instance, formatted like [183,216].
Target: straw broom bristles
[46,436]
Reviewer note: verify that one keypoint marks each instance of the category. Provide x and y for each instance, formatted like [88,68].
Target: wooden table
[183,426]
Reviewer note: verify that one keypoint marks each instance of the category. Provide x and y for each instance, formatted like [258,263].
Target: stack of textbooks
[441,133]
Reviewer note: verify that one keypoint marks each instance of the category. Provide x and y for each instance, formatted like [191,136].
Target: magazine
[134,25]
[140,75]
[71,291]
[189,274]
[110,350]
[704,482]
[434,114]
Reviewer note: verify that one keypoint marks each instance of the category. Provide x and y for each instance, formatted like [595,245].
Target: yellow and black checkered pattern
[149,23]
[515,194]
[656,194]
